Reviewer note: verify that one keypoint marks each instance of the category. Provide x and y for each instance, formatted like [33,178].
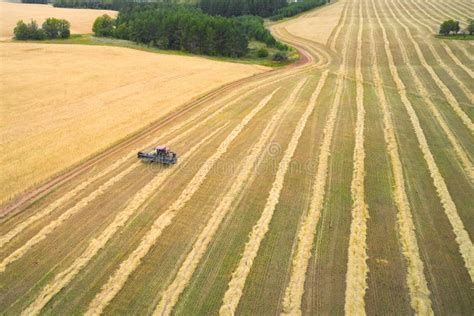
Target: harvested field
[81,19]
[93,92]
[343,184]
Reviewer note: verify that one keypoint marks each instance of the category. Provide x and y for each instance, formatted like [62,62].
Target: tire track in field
[462,238]
[420,86]
[446,92]
[419,293]
[171,295]
[63,278]
[333,38]
[357,268]
[237,283]
[431,29]
[433,51]
[120,276]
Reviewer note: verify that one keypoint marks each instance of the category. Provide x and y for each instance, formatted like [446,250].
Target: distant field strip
[426,96]
[416,280]
[462,238]
[170,296]
[63,278]
[431,29]
[120,276]
[357,268]
[437,57]
[446,92]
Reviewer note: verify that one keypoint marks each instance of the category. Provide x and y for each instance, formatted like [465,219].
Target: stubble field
[343,184]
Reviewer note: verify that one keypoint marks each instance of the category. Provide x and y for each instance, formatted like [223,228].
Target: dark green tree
[449,26]
[104,26]
[56,28]
[470,27]
[21,31]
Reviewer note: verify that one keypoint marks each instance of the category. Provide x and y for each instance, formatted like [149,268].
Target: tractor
[160,154]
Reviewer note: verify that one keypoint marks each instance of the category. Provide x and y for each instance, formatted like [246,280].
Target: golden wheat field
[343,184]
[62,103]
[81,20]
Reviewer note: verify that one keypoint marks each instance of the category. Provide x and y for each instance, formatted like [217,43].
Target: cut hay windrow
[61,201]
[458,149]
[442,16]
[239,276]
[431,29]
[433,51]
[462,237]
[357,268]
[333,39]
[419,293]
[295,288]
[171,295]
[452,101]
[63,278]
[120,276]
[44,232]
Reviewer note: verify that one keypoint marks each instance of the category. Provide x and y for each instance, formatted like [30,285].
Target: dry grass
[71,101]
[81,19]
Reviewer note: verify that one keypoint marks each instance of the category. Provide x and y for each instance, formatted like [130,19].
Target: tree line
[52,28]
[453,27]
[173,27]
[295,8]
[264,8]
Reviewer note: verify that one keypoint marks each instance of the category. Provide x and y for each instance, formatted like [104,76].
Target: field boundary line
[462,238]
[357,268]
[120,276]
[171,294]
[63,278]
[418,287]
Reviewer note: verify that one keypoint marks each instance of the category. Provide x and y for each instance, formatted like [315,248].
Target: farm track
[267,211]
